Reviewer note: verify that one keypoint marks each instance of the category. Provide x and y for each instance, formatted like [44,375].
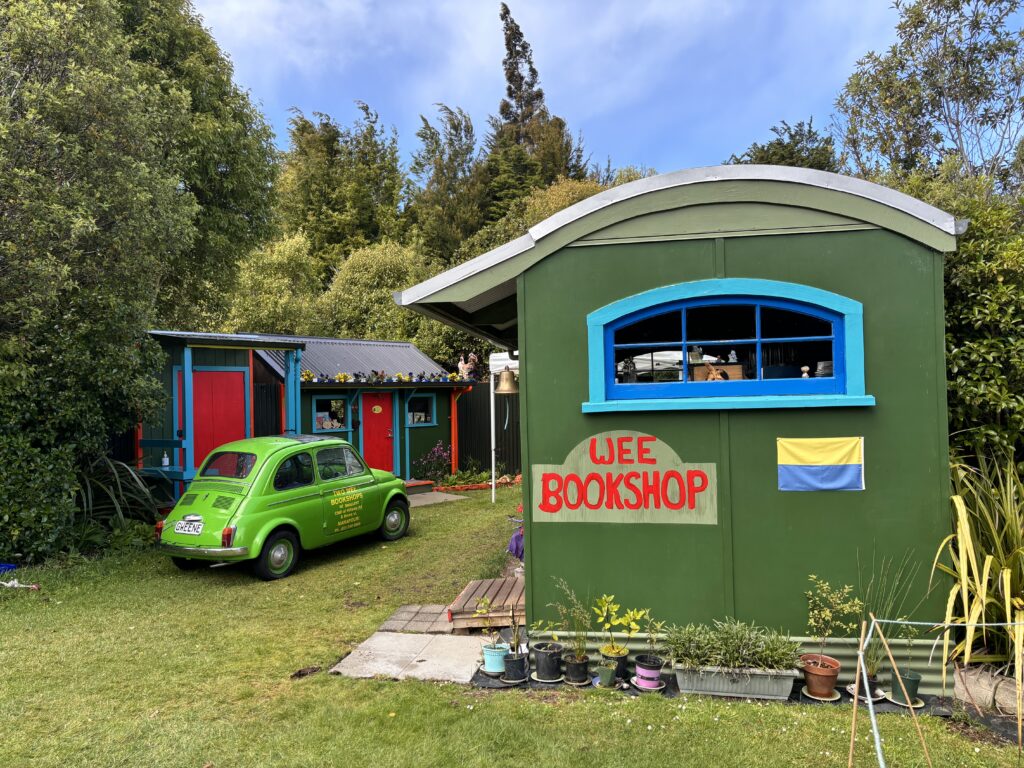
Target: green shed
[730,378]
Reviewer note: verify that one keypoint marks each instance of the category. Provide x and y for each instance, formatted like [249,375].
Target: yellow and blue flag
[821,463]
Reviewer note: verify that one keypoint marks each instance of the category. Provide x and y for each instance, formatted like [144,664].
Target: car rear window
[229,464]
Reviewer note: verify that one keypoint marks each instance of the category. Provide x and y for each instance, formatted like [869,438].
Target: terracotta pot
[820,674]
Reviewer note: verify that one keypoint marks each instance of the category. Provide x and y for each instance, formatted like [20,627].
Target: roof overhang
[479,296]
[232,340]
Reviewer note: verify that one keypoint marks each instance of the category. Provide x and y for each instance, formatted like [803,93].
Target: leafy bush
[731,644]
[435,464]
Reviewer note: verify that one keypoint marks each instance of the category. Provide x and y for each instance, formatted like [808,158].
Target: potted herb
[517,663]
[733,658]
[606,674]
[494,651]
[574,618]
[828,609]
[607,611]
[649,665]
[911,679]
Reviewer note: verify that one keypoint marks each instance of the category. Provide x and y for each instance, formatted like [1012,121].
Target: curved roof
[826,200]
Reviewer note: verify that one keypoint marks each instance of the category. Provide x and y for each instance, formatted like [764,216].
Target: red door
[219,414]
[378,431]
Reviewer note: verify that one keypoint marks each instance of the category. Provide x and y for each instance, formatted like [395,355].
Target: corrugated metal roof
[326,357]
[249,340]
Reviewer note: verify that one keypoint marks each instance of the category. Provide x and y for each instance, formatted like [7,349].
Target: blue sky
[660,83]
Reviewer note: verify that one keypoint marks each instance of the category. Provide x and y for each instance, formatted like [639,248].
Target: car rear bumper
[214,553]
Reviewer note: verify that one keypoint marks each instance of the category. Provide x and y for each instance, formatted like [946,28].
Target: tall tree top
[797,145]
[524,98]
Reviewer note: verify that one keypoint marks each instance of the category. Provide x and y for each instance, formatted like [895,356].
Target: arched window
[727,343]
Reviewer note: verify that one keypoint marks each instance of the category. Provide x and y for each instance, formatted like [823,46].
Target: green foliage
[885,585]
[731,644]
[985,557]
[277,289]
[949,85]
[112,494]
[573,617]
[608,618]
[830,609]
[435,464]
[223,152]
[797,145]
[90,213]
[340,186]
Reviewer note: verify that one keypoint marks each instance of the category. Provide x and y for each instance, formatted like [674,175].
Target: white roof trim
[937,218]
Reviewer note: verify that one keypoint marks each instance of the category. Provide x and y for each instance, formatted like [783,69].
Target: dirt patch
[979,733]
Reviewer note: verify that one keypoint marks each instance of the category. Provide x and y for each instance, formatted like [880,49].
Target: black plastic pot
[576,670]
[517,667]
[548,657]
[620,664]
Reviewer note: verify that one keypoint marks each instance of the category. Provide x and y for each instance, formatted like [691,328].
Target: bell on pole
[507,384]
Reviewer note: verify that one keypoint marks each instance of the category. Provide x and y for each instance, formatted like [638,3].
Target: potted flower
[649,665]
[911,679]
[494,651]
[574,618]
[607,611]
[733,658]
[517,663]
[828,609]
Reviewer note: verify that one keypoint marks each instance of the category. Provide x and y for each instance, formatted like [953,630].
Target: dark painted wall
[754,563]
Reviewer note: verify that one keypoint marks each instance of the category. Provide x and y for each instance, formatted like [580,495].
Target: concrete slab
[433,497]
[421,657]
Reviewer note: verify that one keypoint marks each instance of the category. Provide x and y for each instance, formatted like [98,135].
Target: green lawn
[127,662]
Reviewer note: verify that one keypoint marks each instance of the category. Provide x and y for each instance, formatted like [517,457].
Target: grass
[125,661]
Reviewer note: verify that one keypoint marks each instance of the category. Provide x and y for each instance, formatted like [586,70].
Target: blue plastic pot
[494,659]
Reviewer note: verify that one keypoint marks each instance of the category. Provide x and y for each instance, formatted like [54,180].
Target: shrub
[731,644]
[435,464]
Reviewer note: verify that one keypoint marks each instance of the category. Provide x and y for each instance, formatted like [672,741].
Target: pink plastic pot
[648,671]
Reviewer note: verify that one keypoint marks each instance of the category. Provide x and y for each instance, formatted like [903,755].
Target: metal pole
[494,450]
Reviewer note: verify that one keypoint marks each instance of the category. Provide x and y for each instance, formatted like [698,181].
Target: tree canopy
[797,145]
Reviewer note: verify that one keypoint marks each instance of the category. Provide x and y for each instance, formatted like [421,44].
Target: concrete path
[432,497]
[419,657]
[429,619]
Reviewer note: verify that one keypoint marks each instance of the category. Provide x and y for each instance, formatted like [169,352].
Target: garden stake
[899,679]
[856,691]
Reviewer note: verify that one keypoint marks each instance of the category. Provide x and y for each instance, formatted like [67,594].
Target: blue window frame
[727,343]
[421,410]
[331,413]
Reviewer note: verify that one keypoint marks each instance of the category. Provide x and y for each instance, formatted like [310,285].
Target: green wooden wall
[754,563]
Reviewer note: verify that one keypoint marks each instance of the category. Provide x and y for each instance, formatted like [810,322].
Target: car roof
[265,446]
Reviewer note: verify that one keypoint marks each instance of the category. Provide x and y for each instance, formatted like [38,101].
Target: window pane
[729,321]
[653,330]
[646,365]
[421,410]
[330,414]
[229,464]
[330,463]
[295,472]
[788,360]
[722,362]
[353,466]
[782,323]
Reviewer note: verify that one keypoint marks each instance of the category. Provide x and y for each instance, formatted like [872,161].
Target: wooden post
[899,679]
[856,691]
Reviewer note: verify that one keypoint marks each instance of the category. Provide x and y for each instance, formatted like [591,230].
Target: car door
[293,493]
[346,492]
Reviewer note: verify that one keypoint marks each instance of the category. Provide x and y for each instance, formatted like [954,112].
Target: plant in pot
[649,665]
[517,662]
[607,611]
[574,618]
[829,610]
[911,679]
[547,654]
[606,674]
[733,658]
[884,586]
[494,651]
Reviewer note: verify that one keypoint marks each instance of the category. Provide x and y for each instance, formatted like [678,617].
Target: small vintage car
[265,499]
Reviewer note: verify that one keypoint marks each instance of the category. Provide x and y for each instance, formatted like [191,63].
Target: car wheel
[187,564]
[396,521]
[278,557]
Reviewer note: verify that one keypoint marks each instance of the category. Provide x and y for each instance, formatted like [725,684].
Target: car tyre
[279,556]
[396,520]
[188,564]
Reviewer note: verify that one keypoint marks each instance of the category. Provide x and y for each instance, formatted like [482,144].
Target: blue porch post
[289,395]
[188,407]
[297,392]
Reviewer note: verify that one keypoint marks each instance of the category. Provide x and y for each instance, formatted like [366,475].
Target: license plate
[190,528]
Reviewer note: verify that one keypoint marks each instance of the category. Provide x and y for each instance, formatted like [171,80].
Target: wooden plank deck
[504,594]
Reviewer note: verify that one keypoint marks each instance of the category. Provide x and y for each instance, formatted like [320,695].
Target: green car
[265,499]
